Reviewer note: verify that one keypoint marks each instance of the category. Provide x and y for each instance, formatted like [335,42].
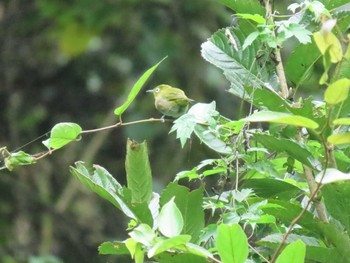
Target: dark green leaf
[247,6]
[294,149]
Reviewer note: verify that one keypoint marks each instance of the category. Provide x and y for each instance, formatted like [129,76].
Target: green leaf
[102,183]
[18,158]
[281,118]
[301,62]
[179,258]
[328,42]
[336,199]
[184,126]
[337,91]
[143,234]
[300,32]
[210,138]
[339,138]
[135,250]
[190,206]
[293,253]
[294,149]
[113,248]
[254,17]
[136,89]
[232,244]
[275,239]
[62,134]
[342,121]
[247,6]
[169,243]
[331,175]
[138,171]
[239,66]
[270,188]
[170,219]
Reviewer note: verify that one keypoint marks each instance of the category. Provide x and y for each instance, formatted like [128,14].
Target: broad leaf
[293,253]
[331,175]
[113,248]
[190,205]
[136,89]
[339,138]
[247,6]
[232,244]
[17,159]
[62,134]
[337,91]
[138,171]
[170,219]
[143,234]
[169,243]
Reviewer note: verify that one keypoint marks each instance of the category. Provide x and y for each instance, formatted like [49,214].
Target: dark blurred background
[75,61]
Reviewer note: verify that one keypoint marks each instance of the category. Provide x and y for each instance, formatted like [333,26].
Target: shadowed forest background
[75,61]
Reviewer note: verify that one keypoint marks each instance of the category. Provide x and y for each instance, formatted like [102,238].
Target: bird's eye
[157,90]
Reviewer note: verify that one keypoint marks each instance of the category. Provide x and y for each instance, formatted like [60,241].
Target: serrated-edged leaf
[138,171]
[301,62]
[169,243]
[247,6]
[342,121]
[232,244]
[62,134]
[184,126]
[337,91]
[293,253]
[239,66]
[136,89]
[113,248]
[170,221]
[211,139]
[339,138]
[294,149]
[281,118]
[331,175]
[190,205]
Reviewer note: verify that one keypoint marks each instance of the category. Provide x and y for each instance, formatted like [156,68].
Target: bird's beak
[150,90]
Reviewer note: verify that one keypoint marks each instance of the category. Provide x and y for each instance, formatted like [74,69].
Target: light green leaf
[342,121]
[331,175]
[169,243]
[138,171]
[62,134]
[250,39]
[232,244]
[184,126]
[256,17]
[282,118]
[143,234]
[339,138]
[190,205]
[136,89]
[135,250]
[337,91]
[293,253]
[170,219]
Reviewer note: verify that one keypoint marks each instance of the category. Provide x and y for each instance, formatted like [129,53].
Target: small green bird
[170,101]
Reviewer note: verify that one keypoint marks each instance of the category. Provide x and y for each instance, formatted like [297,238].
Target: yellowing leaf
[327,41]
[337,91]
[340,138]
